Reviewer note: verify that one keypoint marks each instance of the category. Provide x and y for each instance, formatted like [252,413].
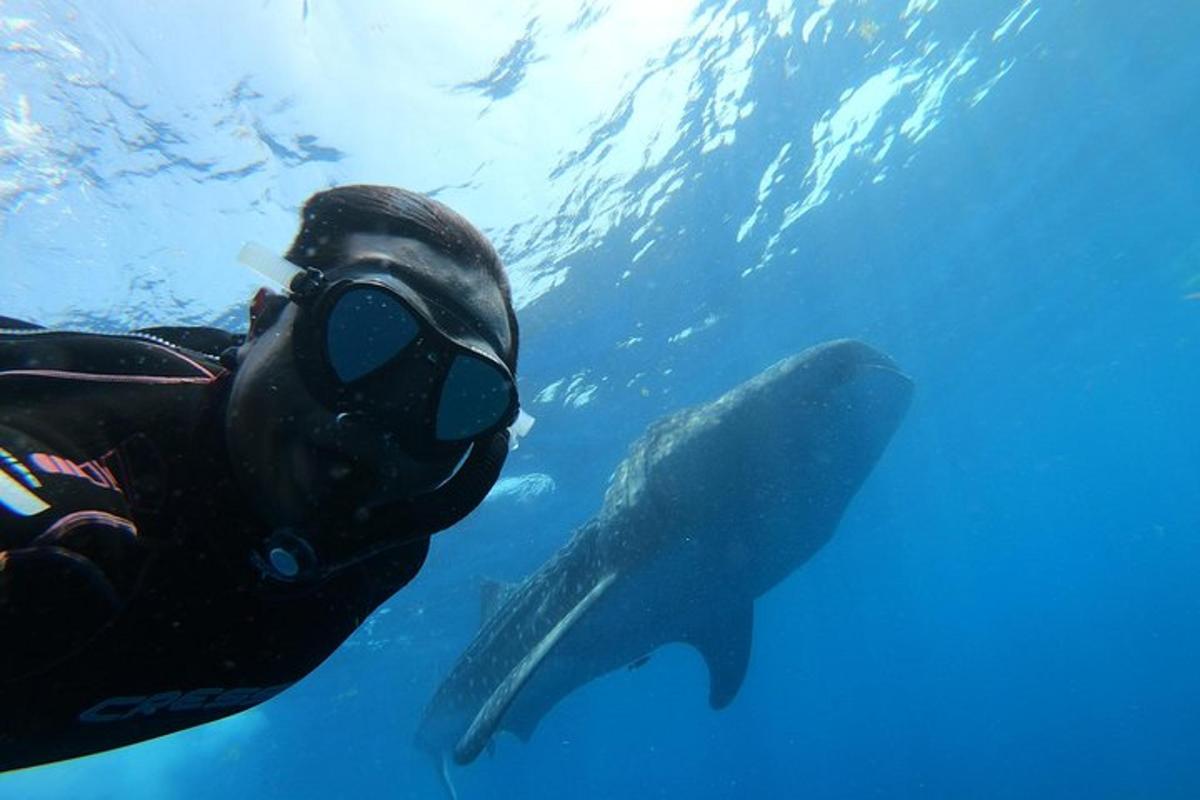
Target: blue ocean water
[1000,194]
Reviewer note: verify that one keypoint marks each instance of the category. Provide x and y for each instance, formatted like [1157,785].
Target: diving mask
[367,344]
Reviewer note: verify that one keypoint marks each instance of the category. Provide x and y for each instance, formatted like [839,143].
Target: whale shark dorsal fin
[492,595]
[724,640]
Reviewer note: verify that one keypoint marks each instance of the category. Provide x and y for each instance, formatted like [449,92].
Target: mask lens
[366,328]
[476,396]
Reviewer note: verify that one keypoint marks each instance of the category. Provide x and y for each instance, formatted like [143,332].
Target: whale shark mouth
[849,355]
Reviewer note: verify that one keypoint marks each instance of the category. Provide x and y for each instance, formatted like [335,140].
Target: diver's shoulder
[66,354]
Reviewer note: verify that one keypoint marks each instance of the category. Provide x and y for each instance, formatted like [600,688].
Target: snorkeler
[192,520]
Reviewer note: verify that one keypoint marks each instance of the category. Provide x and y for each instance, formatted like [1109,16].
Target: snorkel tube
[275,268]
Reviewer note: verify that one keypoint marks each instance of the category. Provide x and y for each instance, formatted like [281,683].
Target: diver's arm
[69,555]
[60,591]
[52,602]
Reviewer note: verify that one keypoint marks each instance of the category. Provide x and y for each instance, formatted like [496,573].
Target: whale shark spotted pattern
[713,506]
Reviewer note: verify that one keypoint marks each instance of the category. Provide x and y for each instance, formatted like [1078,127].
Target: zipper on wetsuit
[146,337]
[225,360]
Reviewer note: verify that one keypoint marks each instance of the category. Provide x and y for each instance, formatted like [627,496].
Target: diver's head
[390,358]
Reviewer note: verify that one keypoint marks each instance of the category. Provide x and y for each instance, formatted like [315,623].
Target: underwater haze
[1000,194]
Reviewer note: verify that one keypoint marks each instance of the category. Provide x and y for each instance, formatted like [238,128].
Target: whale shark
[713,506]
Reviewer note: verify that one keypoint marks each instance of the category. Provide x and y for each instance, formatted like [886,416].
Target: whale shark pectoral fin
[491,713]
[724,639]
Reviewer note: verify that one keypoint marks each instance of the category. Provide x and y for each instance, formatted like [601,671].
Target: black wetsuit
[130,606]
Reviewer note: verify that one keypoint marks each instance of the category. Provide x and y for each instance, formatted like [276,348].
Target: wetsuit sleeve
[69,553]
